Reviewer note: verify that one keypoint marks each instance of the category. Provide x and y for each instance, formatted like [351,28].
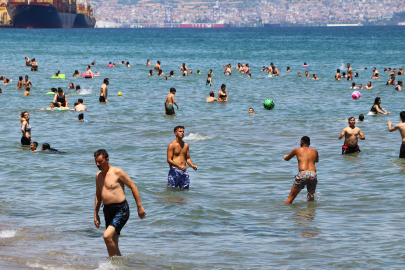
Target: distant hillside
[193,3]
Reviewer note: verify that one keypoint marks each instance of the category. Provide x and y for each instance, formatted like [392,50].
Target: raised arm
[124,178]
[290,156]
[54,98]
[66,101]
[189,162]
[97,201]
[389,126]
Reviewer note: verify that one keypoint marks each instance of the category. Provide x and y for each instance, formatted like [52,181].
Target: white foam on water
[106,266]
[86,91]
[46,267]
[197,137]
[8,233]
[317,196]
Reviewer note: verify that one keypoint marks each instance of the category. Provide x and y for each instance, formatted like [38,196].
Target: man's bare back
[307,175]
[103,90]
[306,158]
[401,128]
[169,99]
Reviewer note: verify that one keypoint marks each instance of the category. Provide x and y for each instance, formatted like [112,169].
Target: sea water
[233,215]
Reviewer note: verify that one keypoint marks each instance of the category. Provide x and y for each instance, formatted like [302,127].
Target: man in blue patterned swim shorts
[110,183]
[307,157]
[178,153]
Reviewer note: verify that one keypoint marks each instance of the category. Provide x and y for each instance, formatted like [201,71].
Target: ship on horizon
[51,14]
[219,24]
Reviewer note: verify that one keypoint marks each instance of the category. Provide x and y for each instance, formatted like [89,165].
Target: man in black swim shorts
[103,91]
[110,183]
[401,128]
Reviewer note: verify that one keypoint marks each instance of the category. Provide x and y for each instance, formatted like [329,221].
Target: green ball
[268,104]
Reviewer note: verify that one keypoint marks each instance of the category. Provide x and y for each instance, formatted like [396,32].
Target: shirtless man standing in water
[110,183]
[307,157]
[178,153]
[352,134]
[401,128]
[157,66]
[103,90]
[27,82]
[349,72]
[169,102]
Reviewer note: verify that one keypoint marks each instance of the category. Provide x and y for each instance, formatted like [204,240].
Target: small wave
[106,266]
[8,233]
[46,267]
[197,137]
[86,91]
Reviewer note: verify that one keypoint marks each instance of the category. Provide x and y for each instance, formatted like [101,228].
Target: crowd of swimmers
[116,208]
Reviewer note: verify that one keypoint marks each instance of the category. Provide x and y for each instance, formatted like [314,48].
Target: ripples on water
[232,217]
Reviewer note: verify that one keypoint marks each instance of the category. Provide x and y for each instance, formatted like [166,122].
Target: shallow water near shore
[232,217]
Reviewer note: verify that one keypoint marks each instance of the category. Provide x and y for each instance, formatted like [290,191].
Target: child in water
[33,147]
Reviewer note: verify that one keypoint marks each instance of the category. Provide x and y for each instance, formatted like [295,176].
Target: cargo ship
[51,14]
[220,24]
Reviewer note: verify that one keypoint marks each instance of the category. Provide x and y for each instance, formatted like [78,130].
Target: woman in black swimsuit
[25,128]
[61,98]
[223,95]
[376,108]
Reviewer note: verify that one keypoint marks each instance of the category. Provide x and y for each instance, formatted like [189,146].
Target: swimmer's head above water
[361,117]
[33,146]
[251,111]
[80,117]
[212,94]
[402,116]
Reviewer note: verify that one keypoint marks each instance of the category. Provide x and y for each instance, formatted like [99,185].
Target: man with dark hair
[169,108]
[80,106]
[349,72]
[307,157]
[103,91]
[361,117]
[183,67]
[352,135]
[157,66]
[401,128]
[178,153]
[110,183]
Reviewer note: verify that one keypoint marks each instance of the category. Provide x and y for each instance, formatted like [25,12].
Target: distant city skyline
[173,13]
